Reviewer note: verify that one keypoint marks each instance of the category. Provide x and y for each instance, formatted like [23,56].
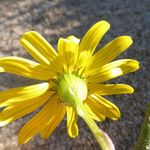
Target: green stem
[98,134]
[143,142]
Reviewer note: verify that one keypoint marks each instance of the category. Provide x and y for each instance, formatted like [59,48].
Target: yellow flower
[73,82]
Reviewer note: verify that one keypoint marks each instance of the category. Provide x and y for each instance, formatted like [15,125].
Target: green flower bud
[71,89]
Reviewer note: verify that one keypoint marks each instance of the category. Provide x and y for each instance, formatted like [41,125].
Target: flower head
[73,84]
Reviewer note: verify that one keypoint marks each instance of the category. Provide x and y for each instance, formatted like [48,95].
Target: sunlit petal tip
[101,25]
[74,135]
[138,64]
[24,34]
[73,38]
[135,64]
[130,88]
[117,114]
[30,32]
[126,38]
[34,33]
[123,42]
[73,131]
[104,23]
[126,41]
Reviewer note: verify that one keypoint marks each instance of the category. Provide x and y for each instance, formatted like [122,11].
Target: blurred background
[60,18]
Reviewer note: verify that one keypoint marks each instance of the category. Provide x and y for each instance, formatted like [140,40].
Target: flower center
[71,89]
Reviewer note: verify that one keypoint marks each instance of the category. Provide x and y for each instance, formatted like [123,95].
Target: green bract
[71,88]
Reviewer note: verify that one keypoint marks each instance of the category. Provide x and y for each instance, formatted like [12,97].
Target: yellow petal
[34,52]
[110,52]
[20,94]
[53,122]
[113,70]
[109,89]
[41,50]
[42,44]
[74,42]
[83,61]
[72,126]
[100,105]
[25,68]
[38,47]
[68,50]
[93,36]
[22,108]
[88,45]
[94,114]
[39,121]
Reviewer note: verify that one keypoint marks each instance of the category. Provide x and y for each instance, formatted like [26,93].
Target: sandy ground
[54,19]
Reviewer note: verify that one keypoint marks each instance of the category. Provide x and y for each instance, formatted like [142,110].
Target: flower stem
[98,133]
